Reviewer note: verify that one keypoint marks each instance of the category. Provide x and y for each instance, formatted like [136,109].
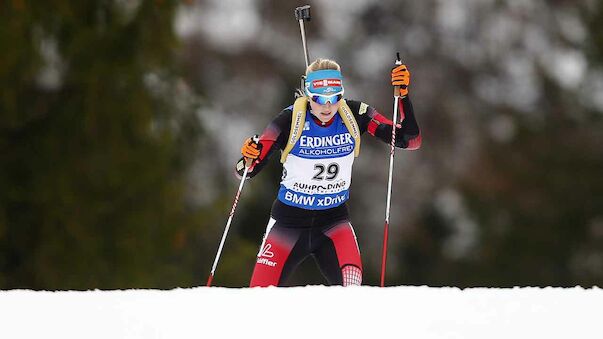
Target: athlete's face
[324,112]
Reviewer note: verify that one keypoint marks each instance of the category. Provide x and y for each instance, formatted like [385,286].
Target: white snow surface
[304,312]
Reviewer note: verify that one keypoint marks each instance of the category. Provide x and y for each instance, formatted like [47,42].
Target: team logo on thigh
[266,253]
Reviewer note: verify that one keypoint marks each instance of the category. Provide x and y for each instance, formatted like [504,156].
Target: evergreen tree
[96,136]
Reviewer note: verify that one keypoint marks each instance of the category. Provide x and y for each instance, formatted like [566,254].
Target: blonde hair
[320,64]
[317,65]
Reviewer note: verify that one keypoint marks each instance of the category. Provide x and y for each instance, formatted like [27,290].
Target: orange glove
[401,77]
[251,150]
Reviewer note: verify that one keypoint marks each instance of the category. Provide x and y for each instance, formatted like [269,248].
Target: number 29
[331,171]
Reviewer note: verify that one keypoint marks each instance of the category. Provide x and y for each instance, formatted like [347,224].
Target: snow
[304,312]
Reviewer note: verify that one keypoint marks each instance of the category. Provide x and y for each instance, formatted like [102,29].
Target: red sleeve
[408,136]
[272,138]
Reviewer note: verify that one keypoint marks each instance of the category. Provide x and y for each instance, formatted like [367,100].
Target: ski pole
[256,139]
[303,14]
[389,180]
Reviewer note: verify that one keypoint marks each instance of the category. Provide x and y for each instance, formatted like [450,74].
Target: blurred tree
[535,195]
[96,135]
[501,91]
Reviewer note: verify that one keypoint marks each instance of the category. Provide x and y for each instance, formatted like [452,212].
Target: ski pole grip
[249,162]
[303,13]
[397,63]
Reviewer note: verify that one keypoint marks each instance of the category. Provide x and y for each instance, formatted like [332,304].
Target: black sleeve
[274,137]
[360,110]
[408,136]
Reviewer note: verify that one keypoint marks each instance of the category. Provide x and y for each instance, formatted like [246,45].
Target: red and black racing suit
[295,233]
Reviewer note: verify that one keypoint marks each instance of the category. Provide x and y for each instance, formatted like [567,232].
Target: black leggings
[293,234]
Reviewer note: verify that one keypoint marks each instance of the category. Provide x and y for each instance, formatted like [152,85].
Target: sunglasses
[324,99]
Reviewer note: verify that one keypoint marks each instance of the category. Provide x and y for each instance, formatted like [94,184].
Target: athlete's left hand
[401,77]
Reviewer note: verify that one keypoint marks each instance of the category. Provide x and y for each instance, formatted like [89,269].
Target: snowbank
[304,312]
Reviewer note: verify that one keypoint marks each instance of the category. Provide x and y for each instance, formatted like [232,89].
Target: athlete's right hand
[251,148]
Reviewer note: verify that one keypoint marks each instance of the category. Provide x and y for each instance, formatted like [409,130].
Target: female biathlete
[319,142]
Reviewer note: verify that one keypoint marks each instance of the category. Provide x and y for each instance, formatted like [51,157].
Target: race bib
[318,170]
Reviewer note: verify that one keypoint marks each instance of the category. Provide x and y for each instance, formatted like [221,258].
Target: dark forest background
[120,123]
